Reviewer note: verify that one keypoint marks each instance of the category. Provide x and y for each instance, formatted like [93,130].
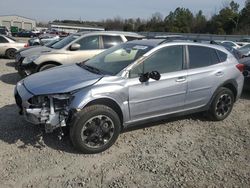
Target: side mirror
[154,75]
[75,47]
[144,77]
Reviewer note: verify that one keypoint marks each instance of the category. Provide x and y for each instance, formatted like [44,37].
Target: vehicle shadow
[15,130]
[10,64]
[11,78]
[245,94]
[165,120]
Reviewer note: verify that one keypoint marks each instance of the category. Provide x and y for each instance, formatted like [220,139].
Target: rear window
[200,56]
[222,56]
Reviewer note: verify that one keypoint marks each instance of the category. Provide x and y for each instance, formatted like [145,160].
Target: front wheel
[222,104]
[95,129]
[46,67]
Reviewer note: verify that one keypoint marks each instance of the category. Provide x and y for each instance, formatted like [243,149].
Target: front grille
[18,100]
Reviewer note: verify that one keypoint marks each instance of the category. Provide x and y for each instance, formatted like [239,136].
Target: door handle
[220,73]
[181,79]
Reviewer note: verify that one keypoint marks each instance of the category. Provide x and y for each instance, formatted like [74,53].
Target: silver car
[74,48]
[130,83]
[8,46]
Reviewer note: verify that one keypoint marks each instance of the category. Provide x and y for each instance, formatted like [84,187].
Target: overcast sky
[96,10]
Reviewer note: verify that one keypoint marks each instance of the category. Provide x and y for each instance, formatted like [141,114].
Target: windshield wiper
[91,69]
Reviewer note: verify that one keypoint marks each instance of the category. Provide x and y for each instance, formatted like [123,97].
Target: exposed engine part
[49,111]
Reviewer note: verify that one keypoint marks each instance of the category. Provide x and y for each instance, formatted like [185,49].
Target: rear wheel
[95,129]
[10,53]
[46,67]
[222,104]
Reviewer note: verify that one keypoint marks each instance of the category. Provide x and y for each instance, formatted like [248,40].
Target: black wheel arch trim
[47,63]
[225,84]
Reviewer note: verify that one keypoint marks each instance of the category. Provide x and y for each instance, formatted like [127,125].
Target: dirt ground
[181,152]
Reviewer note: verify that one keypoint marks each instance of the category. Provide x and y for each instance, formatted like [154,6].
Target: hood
[244,51]
[35,51]
[62,79]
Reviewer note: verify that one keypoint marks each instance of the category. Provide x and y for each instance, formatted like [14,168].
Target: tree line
[228,20]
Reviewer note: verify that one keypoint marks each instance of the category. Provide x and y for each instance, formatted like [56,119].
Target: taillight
[241,67]
[26,45]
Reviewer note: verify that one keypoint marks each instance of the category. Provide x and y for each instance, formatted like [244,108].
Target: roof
[148,42]
[17,16]
[54,24]
[111,33]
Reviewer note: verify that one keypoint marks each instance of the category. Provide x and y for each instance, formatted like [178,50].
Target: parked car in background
[42,39]
[237,54]
[8,46]
[4,31]
[244,41]
[74,48]
[246,61]
[232,44]
[130,83]
[28,34]
[245,50]
[25,52]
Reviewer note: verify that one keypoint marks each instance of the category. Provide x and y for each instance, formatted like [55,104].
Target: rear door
[204,75]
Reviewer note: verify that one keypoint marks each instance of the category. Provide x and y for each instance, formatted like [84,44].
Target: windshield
[51,43]
[11,38]
[115,59]
[62,43]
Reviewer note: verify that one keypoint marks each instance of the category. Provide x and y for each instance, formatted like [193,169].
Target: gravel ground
[181,152]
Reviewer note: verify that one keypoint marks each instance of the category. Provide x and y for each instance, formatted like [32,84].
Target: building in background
[19,22]
[72,28]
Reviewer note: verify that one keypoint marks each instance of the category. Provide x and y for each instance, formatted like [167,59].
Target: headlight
[61,101]
[29,59]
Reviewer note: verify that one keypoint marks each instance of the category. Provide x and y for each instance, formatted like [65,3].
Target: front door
[165,96]
[89,47]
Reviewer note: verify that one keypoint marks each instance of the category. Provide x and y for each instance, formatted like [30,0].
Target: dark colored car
[246,73]
[26,34]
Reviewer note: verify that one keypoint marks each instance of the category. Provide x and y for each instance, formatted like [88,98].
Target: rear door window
[200,56]
[222,56]
[109,41]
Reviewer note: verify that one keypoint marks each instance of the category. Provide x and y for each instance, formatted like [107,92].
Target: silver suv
[130,83]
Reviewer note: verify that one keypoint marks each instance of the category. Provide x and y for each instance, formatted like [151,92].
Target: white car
[232,44]
[8,46]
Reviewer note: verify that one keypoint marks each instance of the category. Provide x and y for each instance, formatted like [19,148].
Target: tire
[10,53]
[46,67]
[88,136]
[222,104]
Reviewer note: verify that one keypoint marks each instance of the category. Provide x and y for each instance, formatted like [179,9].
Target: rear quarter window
[222,56]
[200,56]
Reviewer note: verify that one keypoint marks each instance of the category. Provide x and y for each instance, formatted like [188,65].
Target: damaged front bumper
[48,110]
